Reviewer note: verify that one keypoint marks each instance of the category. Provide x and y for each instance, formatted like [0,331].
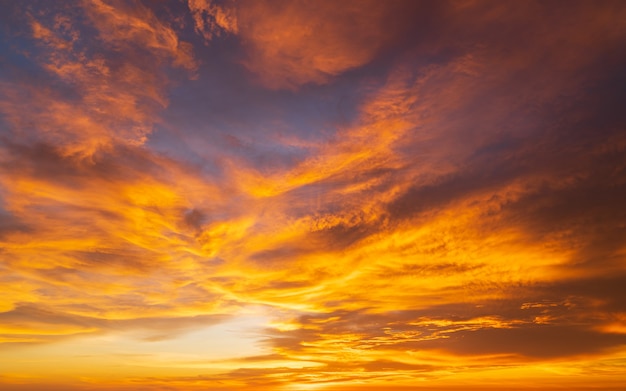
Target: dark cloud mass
[312,195]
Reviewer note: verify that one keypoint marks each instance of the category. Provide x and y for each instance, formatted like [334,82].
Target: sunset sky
[295,195]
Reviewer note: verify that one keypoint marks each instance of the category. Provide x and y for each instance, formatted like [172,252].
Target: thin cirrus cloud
[310,195]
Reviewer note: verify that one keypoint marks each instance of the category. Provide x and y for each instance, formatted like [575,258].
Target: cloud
[212,19]
[291,44]
[95,256]
[359,196]
[135,25]
[84,97]
[34,324]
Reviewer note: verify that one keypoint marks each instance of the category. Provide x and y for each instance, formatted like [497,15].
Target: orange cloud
[212,19]
[289,44]
[136,26]
[115,101]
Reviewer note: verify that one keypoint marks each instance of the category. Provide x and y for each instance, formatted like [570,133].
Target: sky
[354,195]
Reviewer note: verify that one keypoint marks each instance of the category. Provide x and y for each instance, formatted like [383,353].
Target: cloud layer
[306,195]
